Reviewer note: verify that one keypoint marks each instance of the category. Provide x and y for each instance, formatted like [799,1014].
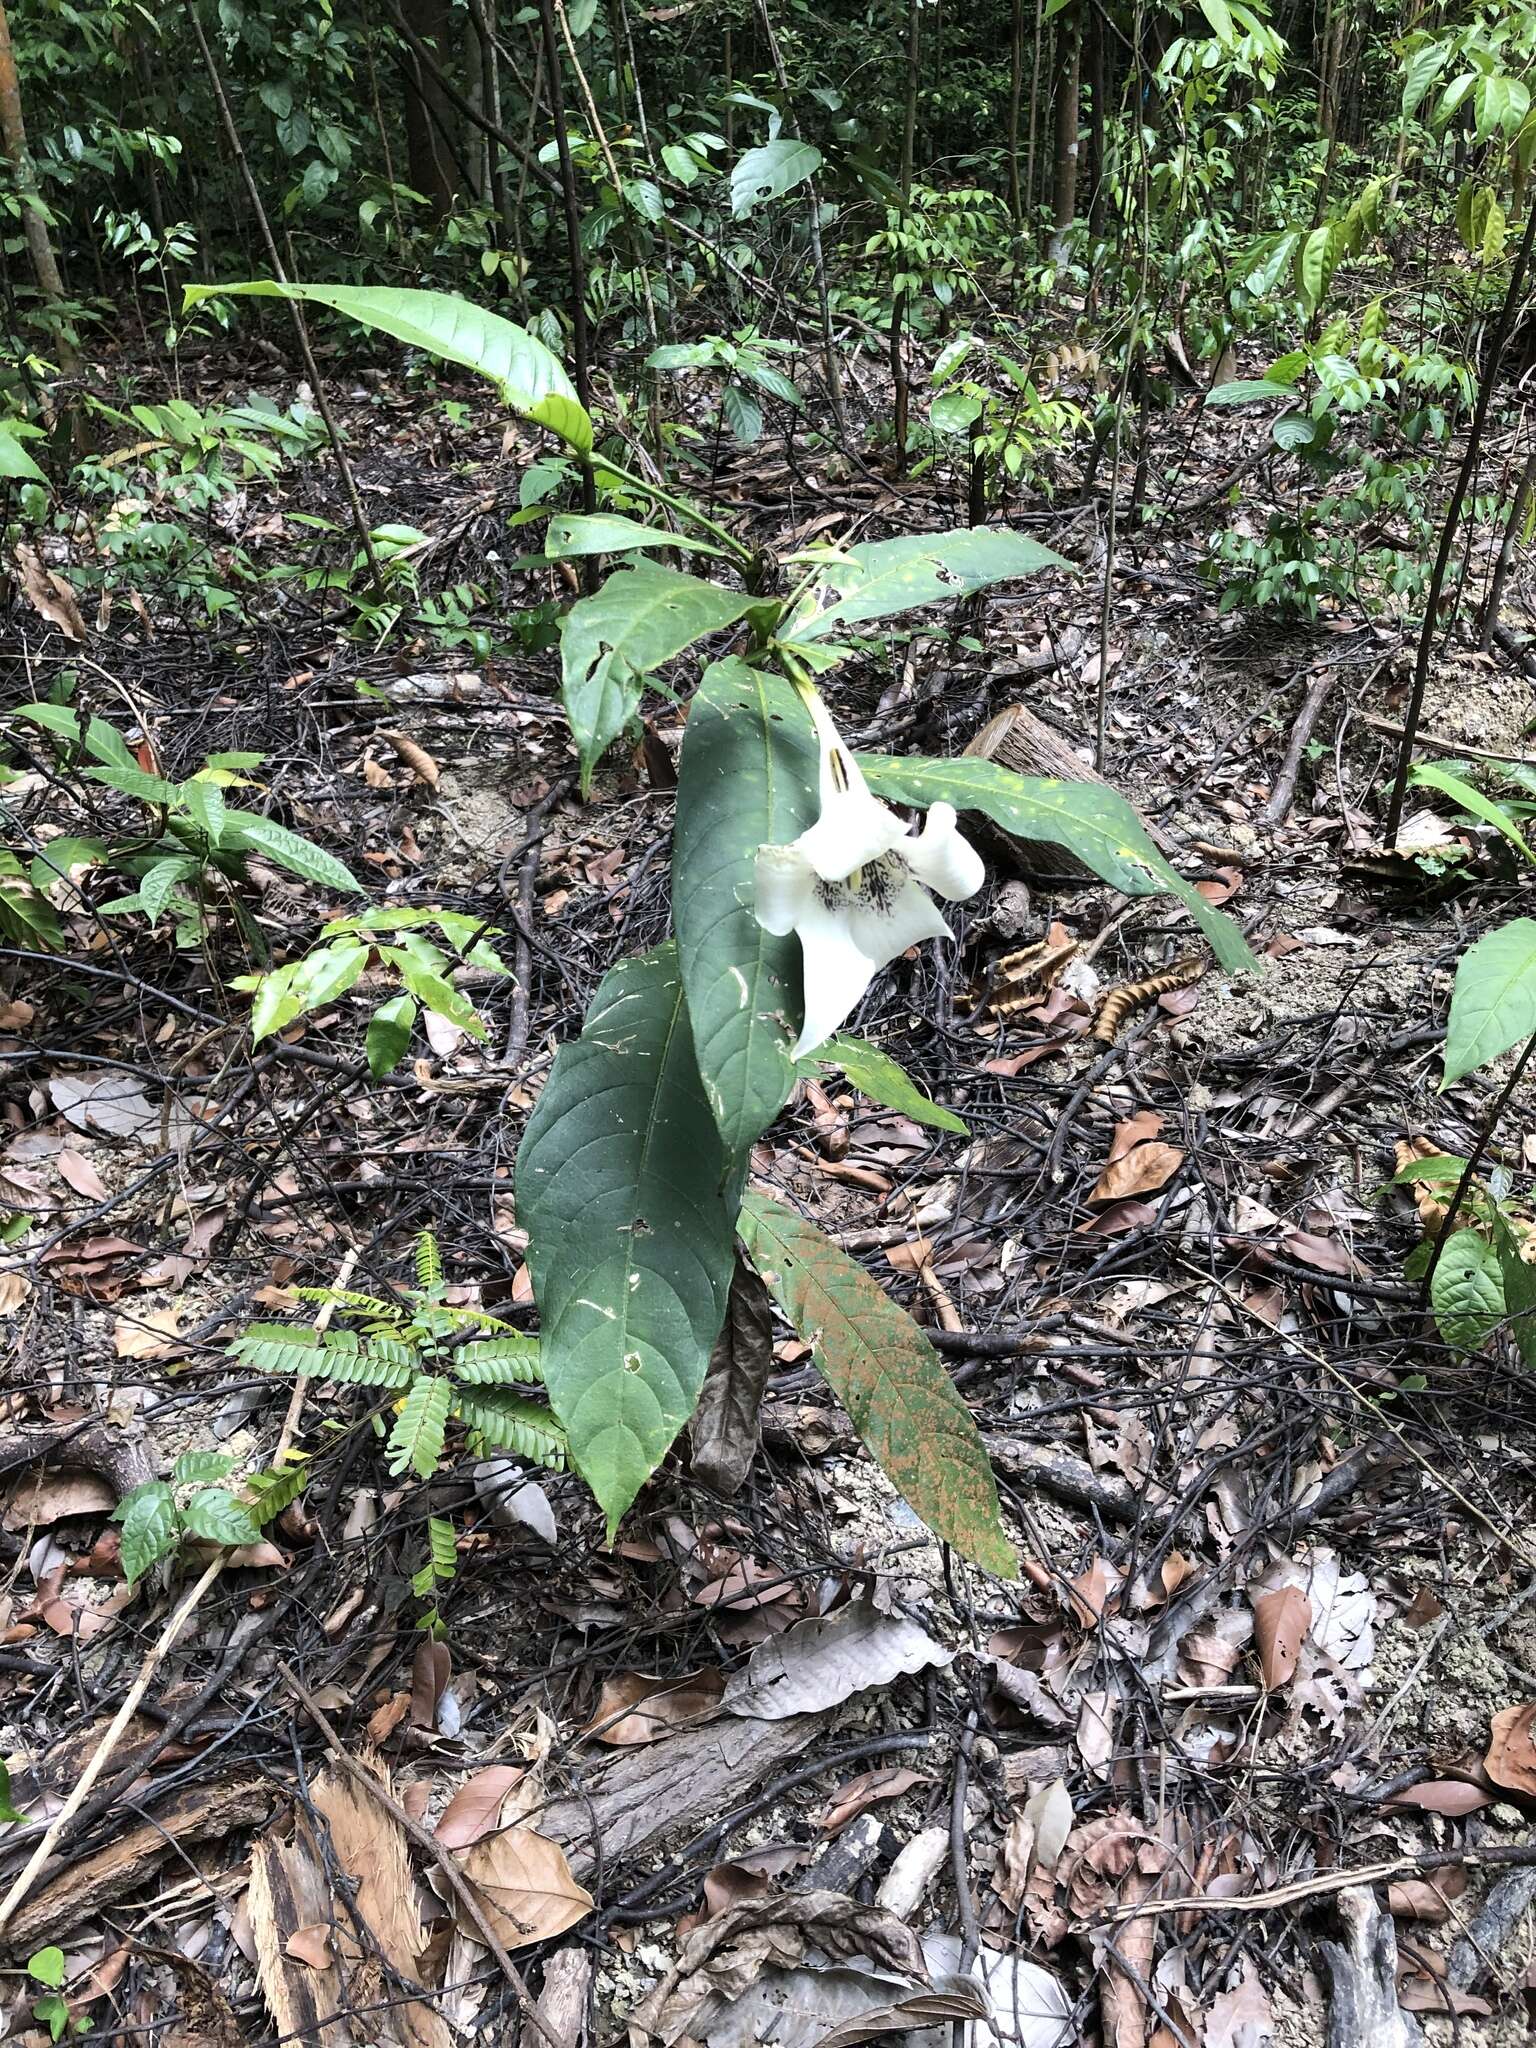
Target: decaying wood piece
[291,1909]
[1491,1928]
[1363,2011]
[629,1805]
[201,1813]
[563,2000]
[1016,739]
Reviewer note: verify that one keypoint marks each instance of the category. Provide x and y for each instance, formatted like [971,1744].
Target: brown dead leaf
[152,1334]
[1427,1898]
[51,1496]
[1327,1254]
[1140,1171]
[1280,1622]
[310,1945]
[525,1887]
[648,1707]
[1241,2017]
[1135,1130]
[48,593]
[865,1791]
[415,756]
[431,1669]
[82,1176]
[1432,1994]
[1511,1758]
[1089,1593]
[14,1290]
[1452,1796]
[475,1809]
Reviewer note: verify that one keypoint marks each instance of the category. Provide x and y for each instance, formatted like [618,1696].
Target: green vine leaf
[1466,1290]
[1493,1002]
[888,1377]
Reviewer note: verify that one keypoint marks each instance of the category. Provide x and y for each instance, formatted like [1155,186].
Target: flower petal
[882,929]
[835,973]
[943,858]
[854,827]
[784,886]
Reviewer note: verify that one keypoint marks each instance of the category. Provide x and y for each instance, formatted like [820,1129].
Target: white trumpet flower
[852,887]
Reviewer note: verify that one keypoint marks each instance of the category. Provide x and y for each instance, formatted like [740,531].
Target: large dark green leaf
[621,1185]
[1099,826]
[530,379]
[609,643]
[880,577]
[1466,1290]
[1493,1003]
[888,1377]
[748,778]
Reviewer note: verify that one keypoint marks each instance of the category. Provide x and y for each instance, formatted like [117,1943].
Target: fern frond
[429,1262]
[416,1441]
[353,1303]
[499,1362]
[273,1347]
[509,1423]
[276,1490]
[354,1366]
[443,1320]
[392,1350]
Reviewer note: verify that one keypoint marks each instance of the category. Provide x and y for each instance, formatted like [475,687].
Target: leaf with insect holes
[622,1185]
[747,778]
[888,1377]
[1096,824]
[1466,1290]
[531,380]
[881,577]
[769,172]
[416,1441]
[609,533]
[1493,1002]
[148,1518]
[884,1080]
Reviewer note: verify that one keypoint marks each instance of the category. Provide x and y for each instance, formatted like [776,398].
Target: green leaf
[608,533]
[748,778]
[416,1441]
[509,1422]
[1499,105]
[1420,72]
[621,1185]
[641,617]
[47,1967]
[498,1362]
[204,804]
[247,831]
[1315,262]
[888,1377]
[1219,16]
[956,412]
[389,1034]
[103,742]
[768,172]
[215,1516]
[875,1074]
[743,414]
[8,1813]
[1518,1279]
[880,577]
[1098,825]
[161,879]
[200,1468]
[1250,391]
[1466,1290]
[529,378]
[15,462]
[326,973]
[148,1516]
[1430,775]
[1493,1002]
[434,993]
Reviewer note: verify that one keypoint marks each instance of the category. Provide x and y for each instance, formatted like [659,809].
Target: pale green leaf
[770,171]
[880,577]
[248,832]
[875,1074]
[1430,775]
[1466,1290]
[608,533]
[1493,1002]
[416,1441]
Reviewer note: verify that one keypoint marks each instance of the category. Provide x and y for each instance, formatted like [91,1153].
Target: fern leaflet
[507,1422]
[416,1441]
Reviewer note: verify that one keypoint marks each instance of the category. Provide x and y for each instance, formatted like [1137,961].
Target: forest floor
[1279,1591]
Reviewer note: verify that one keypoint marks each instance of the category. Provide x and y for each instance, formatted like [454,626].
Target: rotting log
[1015,738]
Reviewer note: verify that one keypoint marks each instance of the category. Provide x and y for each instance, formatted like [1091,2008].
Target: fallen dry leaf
[822,1662]
[476,1808]
[865,1791]
[48,593]
[1511,1758]
[415,756]
[1427,1898]
[53,1496]
[150,1335]
[82,1176]
[525,1886]
[310,1945]
[1137,1172]
[1280,1621]
[636,1707]
[1452,1796]
[1241,2017]
[14,1290]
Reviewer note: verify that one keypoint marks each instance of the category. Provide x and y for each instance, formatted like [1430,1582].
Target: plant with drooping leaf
[632,1172]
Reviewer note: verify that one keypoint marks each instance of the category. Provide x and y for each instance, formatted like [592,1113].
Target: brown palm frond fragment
[1133,995]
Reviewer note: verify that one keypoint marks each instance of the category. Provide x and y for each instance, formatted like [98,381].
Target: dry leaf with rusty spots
[1511,1758]
[480,1805]
[525,1887]
[48,593]
[636,1707]
[1280,1621]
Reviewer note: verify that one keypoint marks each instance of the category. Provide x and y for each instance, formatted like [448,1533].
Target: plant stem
[1464,477]
[1485,1138]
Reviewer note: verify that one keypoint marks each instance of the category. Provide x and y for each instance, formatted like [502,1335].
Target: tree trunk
[13,139]
[427,112]
[1015,102]
[1068,72]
